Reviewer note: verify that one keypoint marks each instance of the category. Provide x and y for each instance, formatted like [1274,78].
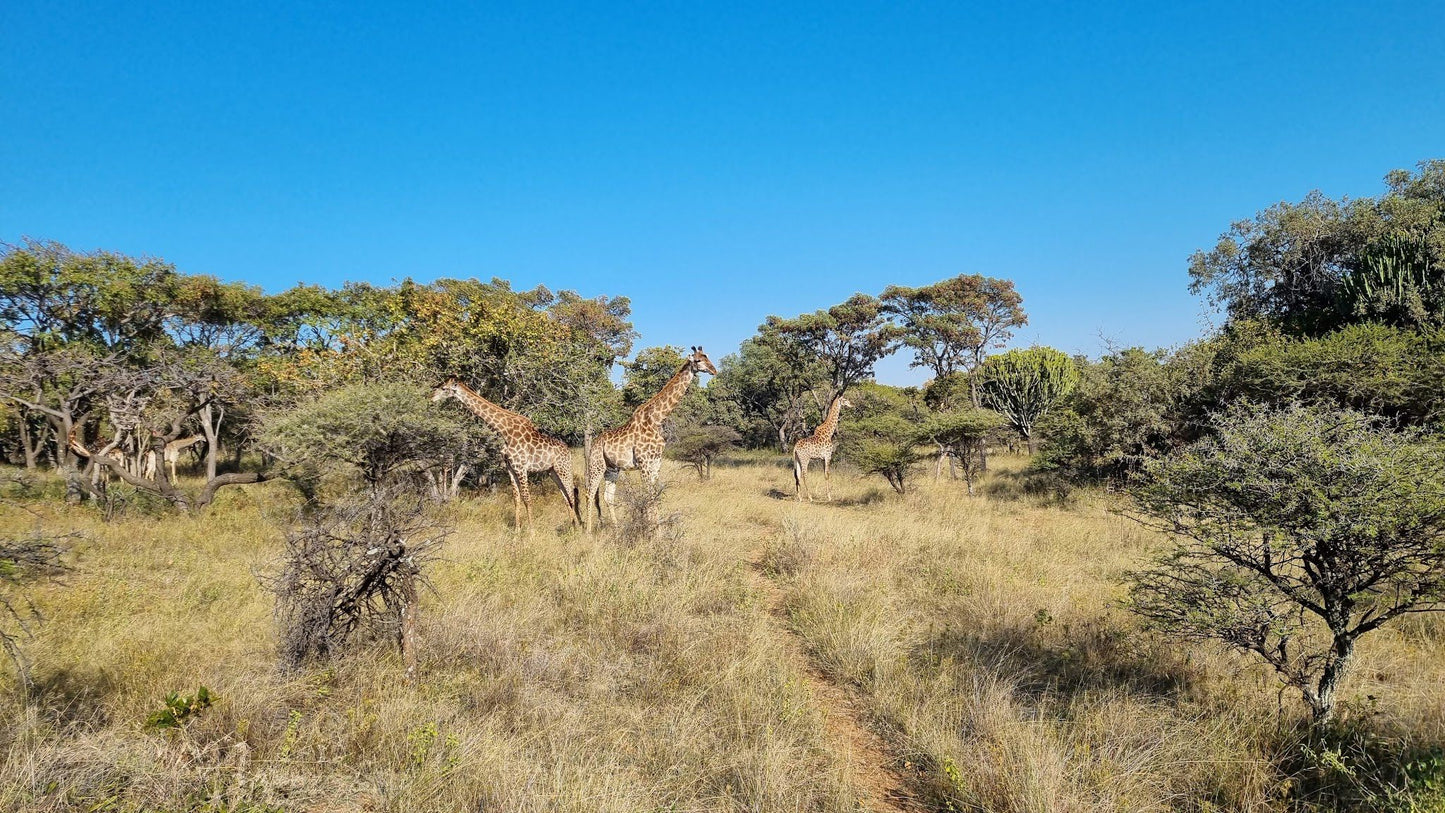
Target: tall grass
[978,634]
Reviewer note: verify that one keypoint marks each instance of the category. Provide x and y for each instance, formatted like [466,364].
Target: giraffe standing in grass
[172,456]
[818,446]
[525,449]
[638,444]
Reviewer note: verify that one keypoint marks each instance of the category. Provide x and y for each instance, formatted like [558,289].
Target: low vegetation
[982,636]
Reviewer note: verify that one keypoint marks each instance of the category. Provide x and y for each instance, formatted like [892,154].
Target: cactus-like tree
[1023,385]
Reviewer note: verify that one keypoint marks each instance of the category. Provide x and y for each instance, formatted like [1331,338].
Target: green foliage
[950,325]
[766,390]
[180,707]
[1298,530]
[1129,407]
[1312,266]
[645,375]
[846,340]
[882,435]
[372,430]
[1023,385]
[1371,368]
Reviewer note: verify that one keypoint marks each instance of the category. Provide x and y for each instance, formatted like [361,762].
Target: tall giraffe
[638,444]
[525,449]
[818,446]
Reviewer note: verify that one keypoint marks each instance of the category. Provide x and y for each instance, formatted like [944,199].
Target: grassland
[928,651]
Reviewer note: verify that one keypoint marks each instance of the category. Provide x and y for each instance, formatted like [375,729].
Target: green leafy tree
[1023,385]
[1130,407]
[767,391]
[1289,264]
[881,434]
[1297,532]
[1374,368]
[951,325]
[645,375]
[377,432]
[845,341]
[960,435]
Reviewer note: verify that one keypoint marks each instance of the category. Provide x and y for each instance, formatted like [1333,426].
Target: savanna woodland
[455,546]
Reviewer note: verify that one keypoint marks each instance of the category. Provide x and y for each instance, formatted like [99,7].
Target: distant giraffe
[818,446]
[525,449]
[638,444]
[171,456]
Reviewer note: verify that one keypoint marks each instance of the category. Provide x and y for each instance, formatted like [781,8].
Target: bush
[1297,531]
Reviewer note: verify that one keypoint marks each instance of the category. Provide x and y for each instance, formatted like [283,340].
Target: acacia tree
[960,435]
[1295,533]
[846,341]
[1023,385]
[768,389]
[951,325]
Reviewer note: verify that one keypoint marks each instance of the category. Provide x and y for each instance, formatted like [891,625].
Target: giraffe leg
[596,469]
[798,476]
[525,488]
[516,502]
[609,492]
[562,473]
[827,483]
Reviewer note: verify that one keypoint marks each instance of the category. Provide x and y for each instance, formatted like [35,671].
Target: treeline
[1337,304]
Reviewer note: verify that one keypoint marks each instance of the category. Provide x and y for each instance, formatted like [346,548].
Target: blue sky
[714,162]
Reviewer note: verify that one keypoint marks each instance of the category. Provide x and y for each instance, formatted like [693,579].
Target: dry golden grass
[978,636]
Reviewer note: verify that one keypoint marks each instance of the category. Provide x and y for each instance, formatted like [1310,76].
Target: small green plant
[180,707]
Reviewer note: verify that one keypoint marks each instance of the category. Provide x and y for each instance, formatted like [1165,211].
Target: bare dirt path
[870,768]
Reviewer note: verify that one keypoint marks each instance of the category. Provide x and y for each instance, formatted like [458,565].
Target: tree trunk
[211,417]
[29,445]
[1321,699]
[1032,443]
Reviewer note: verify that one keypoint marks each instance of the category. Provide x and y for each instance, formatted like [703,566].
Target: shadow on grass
[1051,660]
[1030,485]
[72,696]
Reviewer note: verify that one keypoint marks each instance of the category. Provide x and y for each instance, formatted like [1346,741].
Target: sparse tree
[960,435]
[951,325]
[699,445]
[353,570]
[1296,532]
[846,340]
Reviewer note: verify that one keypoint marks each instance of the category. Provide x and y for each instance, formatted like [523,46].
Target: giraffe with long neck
[818,446]
[638,444]
[525,449]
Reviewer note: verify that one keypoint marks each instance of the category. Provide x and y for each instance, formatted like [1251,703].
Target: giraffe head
[451,389]
[844,403]
[700,363]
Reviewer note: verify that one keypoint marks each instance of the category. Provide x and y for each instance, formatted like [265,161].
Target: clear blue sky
[715,162]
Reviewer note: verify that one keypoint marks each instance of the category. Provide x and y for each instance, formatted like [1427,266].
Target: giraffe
[818,446]
[638,444]
[170,457]
[525,449]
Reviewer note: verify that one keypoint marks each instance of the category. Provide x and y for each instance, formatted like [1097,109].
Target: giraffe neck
[656,409]
[495,417]
[825,430]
